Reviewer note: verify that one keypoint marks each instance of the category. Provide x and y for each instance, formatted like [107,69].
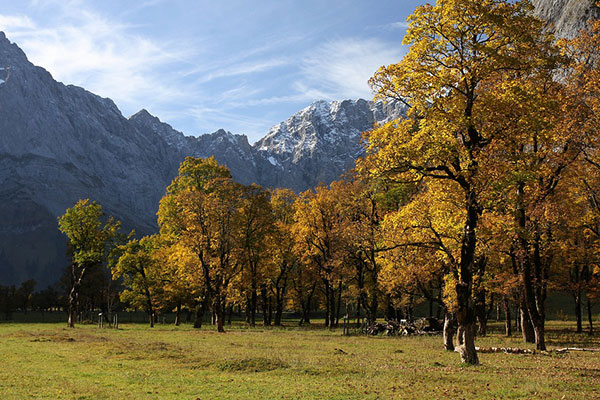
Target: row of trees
[486,191]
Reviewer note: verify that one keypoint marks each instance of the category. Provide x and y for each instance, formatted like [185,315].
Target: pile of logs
[422,326]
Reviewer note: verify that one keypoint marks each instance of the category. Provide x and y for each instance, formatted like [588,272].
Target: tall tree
[201,213]
[460,52]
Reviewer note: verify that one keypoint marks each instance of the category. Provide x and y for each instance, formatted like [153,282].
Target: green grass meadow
[50,361]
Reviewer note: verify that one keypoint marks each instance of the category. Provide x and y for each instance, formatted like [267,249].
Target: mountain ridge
[60,143]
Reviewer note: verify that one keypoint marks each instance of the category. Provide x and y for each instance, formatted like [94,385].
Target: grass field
[49,361]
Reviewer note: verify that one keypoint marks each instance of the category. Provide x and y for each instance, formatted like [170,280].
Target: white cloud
[397,25]
[341,69]
[105,57]
[10,22]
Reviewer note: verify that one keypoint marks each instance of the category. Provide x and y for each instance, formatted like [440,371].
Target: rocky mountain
[322,141]
[567,17]
[60,143]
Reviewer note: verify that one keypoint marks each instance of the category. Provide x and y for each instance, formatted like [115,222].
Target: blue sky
[203,65]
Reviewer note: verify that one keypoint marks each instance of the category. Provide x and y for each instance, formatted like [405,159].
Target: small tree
[89,242]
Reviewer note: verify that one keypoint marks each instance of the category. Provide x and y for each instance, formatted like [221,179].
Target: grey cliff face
[567,17]
[59,144]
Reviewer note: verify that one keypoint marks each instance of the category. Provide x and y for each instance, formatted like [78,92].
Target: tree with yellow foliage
[460,53]
[201,214]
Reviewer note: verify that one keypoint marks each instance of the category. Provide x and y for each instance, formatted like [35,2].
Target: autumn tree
[89,243]
[318,224]
[284,258]
[255,230]
[201,215]
[139,268]
[459,53]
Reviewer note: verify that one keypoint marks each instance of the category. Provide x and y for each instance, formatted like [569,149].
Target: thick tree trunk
[540,341]
[449,322]
[526,326]
[219,311]
[467,351]
[200,310]
[465,314]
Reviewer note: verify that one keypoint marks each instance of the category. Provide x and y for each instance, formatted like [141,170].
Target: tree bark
[219,311]
[200,310]
[526,326]
[449,322]
[465,314]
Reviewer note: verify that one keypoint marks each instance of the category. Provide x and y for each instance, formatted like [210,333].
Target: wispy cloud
[341,68]
[106,57]
[245,68]
[397,25]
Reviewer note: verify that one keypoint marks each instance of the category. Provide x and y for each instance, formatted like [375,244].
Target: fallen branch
[564,350]
[516,350]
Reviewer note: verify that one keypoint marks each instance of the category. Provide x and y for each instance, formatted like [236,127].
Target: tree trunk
[526,327]
[278,307]
[264,306]
[449,322]
[253,305]
[589,312]
[229,314]
[578,316]
[328,311]
[270,311]
[507,319]
[468,354]
[339,305]
[219,311]
[72,306]
[200,310]
[178,314]
[481,313]
[540,342]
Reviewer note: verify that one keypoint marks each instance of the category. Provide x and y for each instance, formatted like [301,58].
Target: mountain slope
[58,144]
